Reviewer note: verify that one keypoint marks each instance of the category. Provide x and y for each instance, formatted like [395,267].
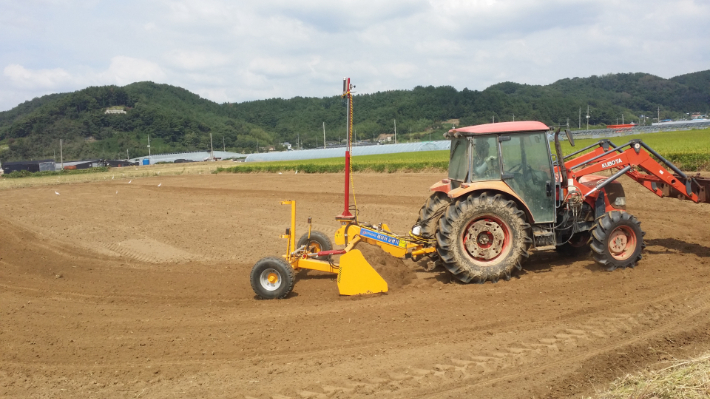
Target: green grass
[400,162]
[689,150]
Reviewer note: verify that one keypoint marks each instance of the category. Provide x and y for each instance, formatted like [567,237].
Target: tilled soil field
[135,290]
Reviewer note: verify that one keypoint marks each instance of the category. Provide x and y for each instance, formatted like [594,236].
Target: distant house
[287,145]
[114,111]
[385,138]
[89,163]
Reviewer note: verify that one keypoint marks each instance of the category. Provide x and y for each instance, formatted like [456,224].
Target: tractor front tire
[483,237]
[272,278]
[617,240]
[316,243]
[430,213]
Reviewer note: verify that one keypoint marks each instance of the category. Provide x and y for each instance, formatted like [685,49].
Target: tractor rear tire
[272,278]
[430,213]
[617,240]
[316,243]
[483,237]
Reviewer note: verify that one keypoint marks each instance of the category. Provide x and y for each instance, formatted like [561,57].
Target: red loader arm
[637,163]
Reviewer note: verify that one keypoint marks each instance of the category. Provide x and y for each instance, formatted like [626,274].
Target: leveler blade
[356,276]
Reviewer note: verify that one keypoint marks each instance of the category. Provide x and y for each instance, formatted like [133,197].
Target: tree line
[178,120]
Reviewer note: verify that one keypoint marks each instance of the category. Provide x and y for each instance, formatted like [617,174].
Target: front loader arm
[637,163]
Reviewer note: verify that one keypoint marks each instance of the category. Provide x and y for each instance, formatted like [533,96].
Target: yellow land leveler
[273,277]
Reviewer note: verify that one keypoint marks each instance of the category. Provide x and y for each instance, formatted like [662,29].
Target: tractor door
[527,169]
[458,161]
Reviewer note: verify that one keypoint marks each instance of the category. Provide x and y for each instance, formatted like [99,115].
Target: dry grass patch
[685,379]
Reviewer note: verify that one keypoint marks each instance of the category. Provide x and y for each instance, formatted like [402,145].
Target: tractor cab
[514,153]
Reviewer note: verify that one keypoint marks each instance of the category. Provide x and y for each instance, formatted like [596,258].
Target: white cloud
[124,70]
[237,51]
[22,77]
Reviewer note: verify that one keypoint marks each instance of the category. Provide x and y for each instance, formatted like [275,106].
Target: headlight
[620,201]
[416,230]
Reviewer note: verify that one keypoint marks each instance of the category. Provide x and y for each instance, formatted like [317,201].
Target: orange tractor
[506,195]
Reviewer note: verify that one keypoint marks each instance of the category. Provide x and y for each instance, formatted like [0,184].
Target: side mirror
[569,137]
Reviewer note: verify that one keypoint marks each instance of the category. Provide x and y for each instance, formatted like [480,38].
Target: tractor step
[543,238]
[545,248]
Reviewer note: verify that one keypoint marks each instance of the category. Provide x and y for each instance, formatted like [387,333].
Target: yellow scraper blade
[356,276]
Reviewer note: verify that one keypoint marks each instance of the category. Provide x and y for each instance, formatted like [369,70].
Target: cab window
[486,163]
[458,160]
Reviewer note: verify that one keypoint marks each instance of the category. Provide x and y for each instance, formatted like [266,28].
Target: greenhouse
[340,151]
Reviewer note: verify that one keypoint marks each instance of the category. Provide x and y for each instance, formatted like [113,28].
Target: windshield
[458,161]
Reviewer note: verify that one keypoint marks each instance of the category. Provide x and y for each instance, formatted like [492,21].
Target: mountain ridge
[179,120]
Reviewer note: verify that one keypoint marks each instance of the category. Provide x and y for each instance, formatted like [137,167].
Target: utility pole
[494,119]
[127,157]
[324,135]
[622,119]
[61,154]
[298,140]
[580,118]
[257,146]
[567,123]
[224,147]
[513,117]
[659,114]
[395,131]
[587,116]
[211,148]
[148,146]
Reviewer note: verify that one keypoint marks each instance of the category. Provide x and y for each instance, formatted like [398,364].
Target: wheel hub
[622,243]
[270,279]
[484,239]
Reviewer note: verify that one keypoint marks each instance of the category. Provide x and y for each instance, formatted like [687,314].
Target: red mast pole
[346,215]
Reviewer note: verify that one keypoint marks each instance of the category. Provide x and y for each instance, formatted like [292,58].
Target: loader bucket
[356,276]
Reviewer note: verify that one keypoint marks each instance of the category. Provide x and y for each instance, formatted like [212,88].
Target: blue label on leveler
[380,237]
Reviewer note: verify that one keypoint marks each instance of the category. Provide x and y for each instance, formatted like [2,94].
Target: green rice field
[689,150]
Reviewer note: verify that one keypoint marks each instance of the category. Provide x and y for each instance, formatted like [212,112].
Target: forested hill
[178,120]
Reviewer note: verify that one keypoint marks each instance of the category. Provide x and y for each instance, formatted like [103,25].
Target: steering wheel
[528,174]
[515,168]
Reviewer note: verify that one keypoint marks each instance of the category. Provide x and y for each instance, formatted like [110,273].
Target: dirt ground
[111,289]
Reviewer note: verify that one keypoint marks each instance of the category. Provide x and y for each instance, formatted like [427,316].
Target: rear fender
[444,186]
[495,186]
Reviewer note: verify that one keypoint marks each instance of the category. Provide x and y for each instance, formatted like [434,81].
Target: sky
[235,51]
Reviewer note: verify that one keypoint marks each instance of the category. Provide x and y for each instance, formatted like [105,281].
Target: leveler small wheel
[316,243]
[272,278]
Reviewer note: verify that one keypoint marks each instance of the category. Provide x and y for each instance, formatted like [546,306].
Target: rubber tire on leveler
[281,268]
[318,242]
[608,224]
[454,225]
[430,213]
